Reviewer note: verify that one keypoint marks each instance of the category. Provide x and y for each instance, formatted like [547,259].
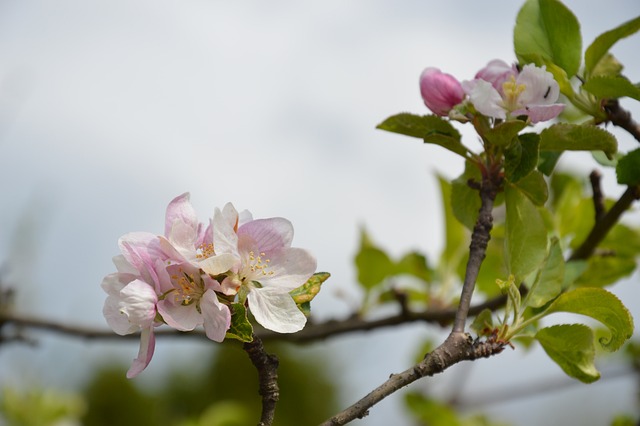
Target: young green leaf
[415,264]
[534,187]
[612,87]
[372,263]
[454,232]
[601,45]
[430,128]
[577,137]
[628,168]
[465,201]
[526,234]
[547,161]
[241,328]
[547,32]
[600,305]
[483,322]
[307,291]
[504,133]
[548,283]
[522,157]
[571,347]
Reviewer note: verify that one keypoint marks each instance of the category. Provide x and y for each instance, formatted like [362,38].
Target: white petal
[487,100]
[217,317]
[218,264]
[275,310]
[267,234]
[225,239]
[291,268]
[180,210]
[138,302]
[147,346]
[183,318]
[117,320]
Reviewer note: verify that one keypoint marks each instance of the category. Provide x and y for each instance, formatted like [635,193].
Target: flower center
[512,92]
[187,288]
[259,264]
[204,251]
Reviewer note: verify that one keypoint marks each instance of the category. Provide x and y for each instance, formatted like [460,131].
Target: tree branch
[456,348]
[622,118]
[598,197]
[267,366]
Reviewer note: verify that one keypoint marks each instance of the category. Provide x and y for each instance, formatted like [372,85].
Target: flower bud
[440,91]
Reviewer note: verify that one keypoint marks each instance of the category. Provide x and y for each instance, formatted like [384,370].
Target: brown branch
[456,348]
[598,197]
[604,225]
[622,118]
[491,184]
[267,366]
[312,332]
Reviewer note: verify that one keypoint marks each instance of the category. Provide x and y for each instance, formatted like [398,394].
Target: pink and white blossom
[497,72]
[266,267]
[440,91]
[192,301]
[532,92]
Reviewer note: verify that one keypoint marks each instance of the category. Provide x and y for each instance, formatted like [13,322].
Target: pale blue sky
[108,110]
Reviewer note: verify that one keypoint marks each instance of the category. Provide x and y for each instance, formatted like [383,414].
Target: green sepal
[571,347]
[602,306]
[628,168]
[601,45]
[307,291]
[547,31]
[612,87]
[430,128]
[577,137]
[240,328]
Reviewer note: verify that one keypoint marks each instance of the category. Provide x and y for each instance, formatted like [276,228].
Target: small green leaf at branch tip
[571,347]
[578,137]
[307,291]
[601,45]
[612,87]
[483,323]
[602,306]
[241,328]
[628,168]
[546,31]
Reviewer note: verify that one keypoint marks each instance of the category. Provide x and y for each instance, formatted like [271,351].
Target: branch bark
[267,366]
[622,118]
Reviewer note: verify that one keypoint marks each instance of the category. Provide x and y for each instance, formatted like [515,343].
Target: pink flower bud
[440,91]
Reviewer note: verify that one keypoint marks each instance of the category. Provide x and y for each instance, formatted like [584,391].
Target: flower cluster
[498,91]
[189,276]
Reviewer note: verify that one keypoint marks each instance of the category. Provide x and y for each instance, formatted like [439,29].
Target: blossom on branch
[508,94]
[266,267]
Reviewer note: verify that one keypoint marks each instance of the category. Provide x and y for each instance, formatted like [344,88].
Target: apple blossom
[192,301]
[440,91]
[532,92]
[497,72]
[266,267]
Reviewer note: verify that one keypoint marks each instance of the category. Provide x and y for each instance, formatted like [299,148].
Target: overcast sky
[109,109]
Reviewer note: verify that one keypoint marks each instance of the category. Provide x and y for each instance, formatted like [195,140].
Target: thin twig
[622,118]
[598,197]
[456,348]
[267,366]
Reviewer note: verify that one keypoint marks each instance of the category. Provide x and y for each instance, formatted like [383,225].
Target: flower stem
[267,366]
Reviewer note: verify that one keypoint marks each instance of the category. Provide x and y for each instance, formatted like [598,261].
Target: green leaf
[608,65]
[534,187]
[241,328]
[307,291]
[465,201]
[628,168]
[571,347]
[483,322]
[547,32]
[612,87]
[431,412]
[526,234]
[372,263]
[520,163]
[601,45]
[504,133]
[548,283]
[548,161]
[600,305]
[430,128]
[455,236]
[577,137]
[415,264]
